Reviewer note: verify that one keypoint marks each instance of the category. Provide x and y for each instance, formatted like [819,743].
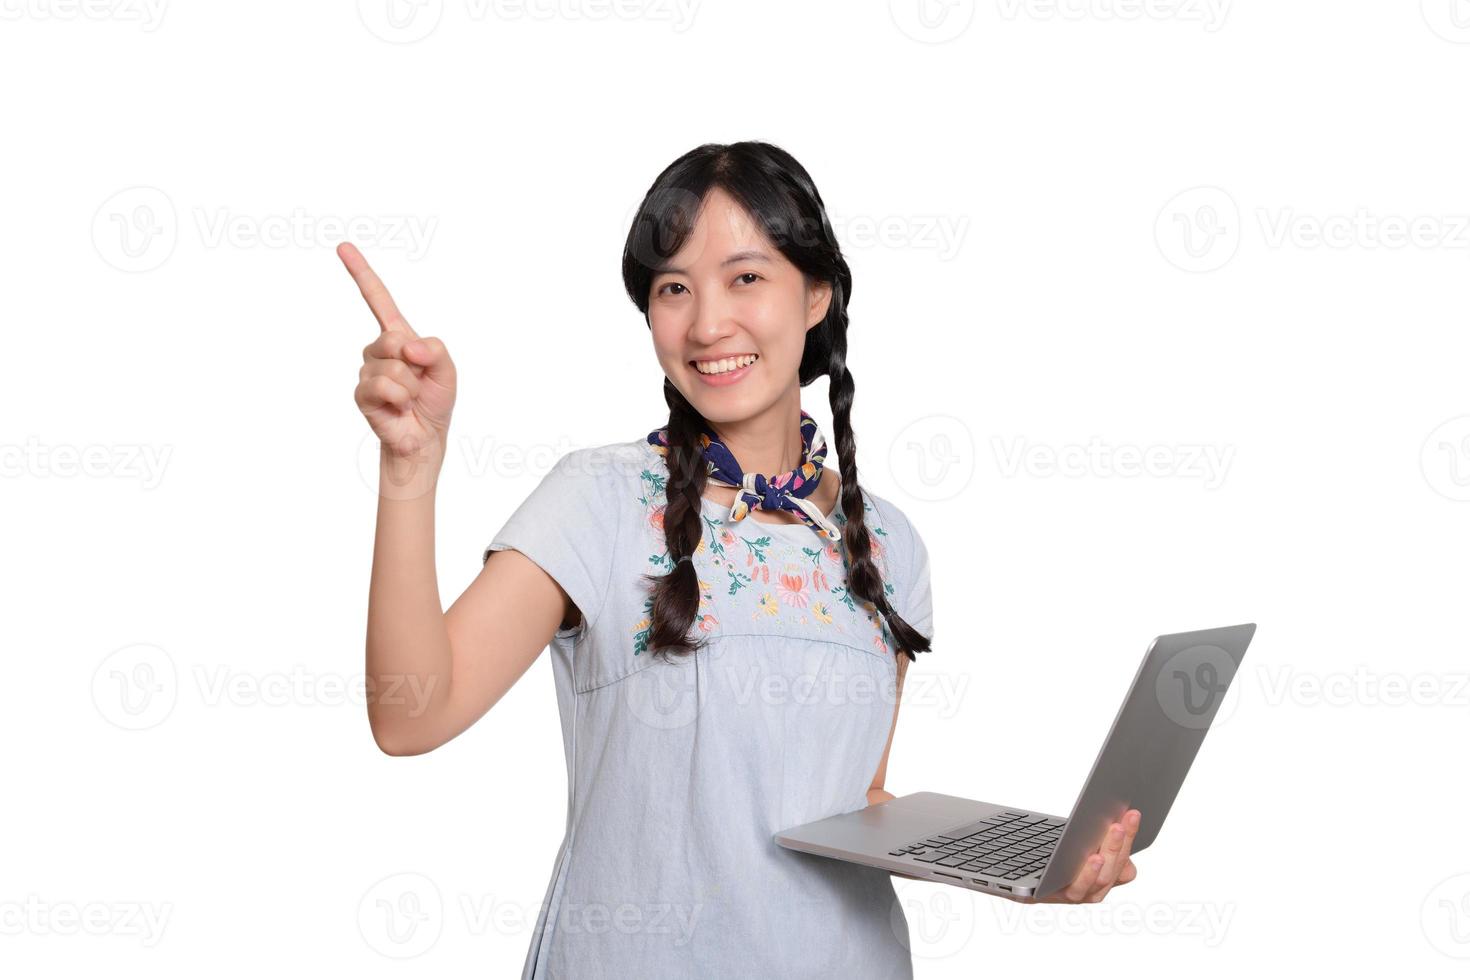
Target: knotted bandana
[788,491]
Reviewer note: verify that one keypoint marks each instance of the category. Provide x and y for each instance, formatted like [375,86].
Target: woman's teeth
[725,364]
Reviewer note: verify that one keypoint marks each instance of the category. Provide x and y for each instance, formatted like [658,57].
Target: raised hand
[406,385]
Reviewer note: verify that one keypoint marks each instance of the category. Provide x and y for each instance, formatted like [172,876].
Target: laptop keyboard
[1007,846]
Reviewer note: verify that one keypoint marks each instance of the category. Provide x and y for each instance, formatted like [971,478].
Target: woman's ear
[820,299]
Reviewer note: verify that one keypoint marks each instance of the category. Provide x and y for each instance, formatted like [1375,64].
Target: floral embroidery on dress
[776,578]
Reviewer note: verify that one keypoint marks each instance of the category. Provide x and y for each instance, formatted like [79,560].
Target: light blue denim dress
[680,774]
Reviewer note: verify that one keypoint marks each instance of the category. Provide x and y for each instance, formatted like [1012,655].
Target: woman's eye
[744,274]
[668,285]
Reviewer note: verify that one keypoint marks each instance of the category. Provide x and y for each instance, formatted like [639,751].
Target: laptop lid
[1175,696]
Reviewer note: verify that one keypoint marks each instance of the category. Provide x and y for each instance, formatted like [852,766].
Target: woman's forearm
[409,658]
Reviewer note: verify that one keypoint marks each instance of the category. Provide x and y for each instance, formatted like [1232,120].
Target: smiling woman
[732,256]
[719,679]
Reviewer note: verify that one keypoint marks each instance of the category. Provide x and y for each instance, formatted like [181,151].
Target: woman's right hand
[406,385]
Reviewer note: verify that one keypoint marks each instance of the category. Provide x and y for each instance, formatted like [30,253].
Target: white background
[1214,231]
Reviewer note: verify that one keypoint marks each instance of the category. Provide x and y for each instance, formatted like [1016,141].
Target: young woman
[729,614]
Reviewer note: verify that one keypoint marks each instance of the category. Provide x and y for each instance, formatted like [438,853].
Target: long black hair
[780,196]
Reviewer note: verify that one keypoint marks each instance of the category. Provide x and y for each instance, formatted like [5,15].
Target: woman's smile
[725,370]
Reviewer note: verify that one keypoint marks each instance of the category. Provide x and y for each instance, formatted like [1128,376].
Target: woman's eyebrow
[748,255]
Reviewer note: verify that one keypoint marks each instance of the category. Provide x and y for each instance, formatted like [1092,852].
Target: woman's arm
[876,792]
[431,674]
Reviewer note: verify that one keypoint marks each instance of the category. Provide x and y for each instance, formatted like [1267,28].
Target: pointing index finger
[373,290]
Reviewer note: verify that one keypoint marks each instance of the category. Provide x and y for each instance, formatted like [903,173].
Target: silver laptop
[982,846]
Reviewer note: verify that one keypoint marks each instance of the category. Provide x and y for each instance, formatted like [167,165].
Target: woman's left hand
[1110,866]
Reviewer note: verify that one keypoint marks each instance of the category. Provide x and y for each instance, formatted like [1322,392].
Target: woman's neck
[769,443]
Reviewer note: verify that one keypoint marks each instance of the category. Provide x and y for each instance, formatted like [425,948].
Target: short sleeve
[563,527]
[915,600]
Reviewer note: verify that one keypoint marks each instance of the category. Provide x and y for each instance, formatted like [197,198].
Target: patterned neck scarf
[787,491]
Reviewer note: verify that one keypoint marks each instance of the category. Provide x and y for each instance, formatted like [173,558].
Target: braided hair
[779,194]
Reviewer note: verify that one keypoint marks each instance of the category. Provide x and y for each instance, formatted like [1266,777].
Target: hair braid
[676,593]
[863,577]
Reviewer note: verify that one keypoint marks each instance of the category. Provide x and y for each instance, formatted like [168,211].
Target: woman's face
[729,293]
